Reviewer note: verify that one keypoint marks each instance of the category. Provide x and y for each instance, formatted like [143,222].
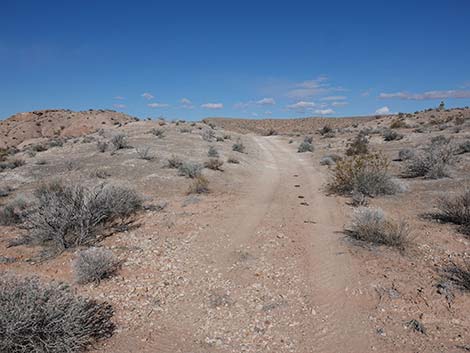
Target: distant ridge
[22,127]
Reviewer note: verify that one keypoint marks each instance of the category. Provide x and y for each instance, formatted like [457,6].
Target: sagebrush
[49,318]
[69,214]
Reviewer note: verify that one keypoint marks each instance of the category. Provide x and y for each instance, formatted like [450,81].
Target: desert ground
[262,257]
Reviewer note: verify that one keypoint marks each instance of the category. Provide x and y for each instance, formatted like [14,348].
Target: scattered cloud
[119,98]
[148,96]
[426,95]
[309,88]
[266,101]
[324,111]
[383,111]
[262,102]
[157,105]
[119,106]
[254,114]
[212,105]
[339,104]
[333,98]
[268,112]
[301,106]
[186,103]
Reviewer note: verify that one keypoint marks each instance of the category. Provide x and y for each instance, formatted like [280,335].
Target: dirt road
[270,272]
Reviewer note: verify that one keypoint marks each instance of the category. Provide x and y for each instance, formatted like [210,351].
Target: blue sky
[193,59]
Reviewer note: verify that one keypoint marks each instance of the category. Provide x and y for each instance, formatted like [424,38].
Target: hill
[49,123]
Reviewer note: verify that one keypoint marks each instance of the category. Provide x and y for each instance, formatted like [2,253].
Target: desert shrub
[88,139]
[463,147]
[371,225]
[219,139]
[227,137]
[100,173]
[391,135]
[94,264]
[305,147]
[214,164]
[433,162]
[367,174]
[308,139]
[160,133]
[5,191]
[145,153]
[406,154]
[102,146]
[12,164]
[3,154]
[459,274]
[200,185]
[49,318]
[232,160]
[208,135]
[190,169]
[455,209]
[120,141]
[330,159]
[270,132]
[174,162]
[186,130]
[325,130]
[360,145]
[396,124]
[38,147]
[212,152]
[238,146]
[73,214]
[13,212]
[55,142]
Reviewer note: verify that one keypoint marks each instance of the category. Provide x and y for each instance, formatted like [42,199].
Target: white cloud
[119,98]
[383,111]
[334,98]
[157,105]
[268,112]
[266,101]
[324,111]
[186,103]
[212,105]
[426,95]
[301,106]
[254,114]
[147,95]
[339,104]
[119,106]
[312,88]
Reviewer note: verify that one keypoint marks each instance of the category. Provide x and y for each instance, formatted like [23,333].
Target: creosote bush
[232,160]
[200,185]
[160,133]
[371,225]
[459,274]
[406,154]
[238,146]
[14,212]
[174,162]
[190,169]
[360,145]
[366,173]
[391,135]
[305,147]
[120,141]
[214,164]
[145,154]
[102,146]
[212,152]
[72,214]
[433,162]
[94,264]
[455,209]
[49,318]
